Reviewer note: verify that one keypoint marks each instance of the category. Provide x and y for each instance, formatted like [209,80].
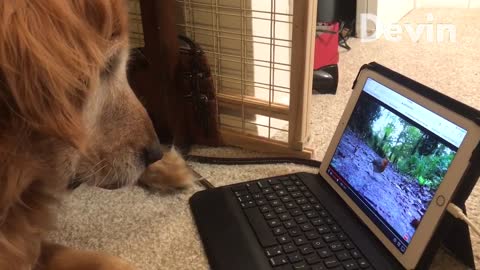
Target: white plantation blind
[261,54]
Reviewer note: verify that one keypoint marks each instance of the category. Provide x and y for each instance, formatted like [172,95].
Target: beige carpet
[155,231]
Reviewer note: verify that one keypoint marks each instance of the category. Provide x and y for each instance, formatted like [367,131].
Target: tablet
[396,159]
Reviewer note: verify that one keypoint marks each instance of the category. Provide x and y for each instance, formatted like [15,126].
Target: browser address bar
[429,120]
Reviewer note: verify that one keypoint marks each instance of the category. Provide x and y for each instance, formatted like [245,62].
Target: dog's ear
[51,54]
[110,17]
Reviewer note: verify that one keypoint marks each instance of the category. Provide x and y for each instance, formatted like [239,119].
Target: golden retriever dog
[67,112]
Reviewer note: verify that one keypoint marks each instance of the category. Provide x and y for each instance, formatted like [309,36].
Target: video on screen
[393,164]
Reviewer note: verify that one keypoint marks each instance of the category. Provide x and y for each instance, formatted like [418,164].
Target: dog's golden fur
[66,111]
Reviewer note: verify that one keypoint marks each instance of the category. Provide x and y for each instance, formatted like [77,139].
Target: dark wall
[347,12]
[335,10]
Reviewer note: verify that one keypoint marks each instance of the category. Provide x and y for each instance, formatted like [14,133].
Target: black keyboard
[295,230]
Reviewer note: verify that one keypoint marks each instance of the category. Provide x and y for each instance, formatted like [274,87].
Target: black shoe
[325,80]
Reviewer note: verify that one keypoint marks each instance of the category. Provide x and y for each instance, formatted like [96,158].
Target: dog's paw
[169,172]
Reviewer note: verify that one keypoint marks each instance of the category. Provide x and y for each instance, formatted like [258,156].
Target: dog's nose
[152,154]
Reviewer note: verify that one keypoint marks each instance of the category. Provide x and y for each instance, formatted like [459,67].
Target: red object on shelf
[326,45]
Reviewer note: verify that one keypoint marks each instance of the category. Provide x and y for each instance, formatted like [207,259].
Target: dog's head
[65,102]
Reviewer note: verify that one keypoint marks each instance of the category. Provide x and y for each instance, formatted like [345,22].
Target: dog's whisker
[95,165]
[91,173]
[94,170]
[104,177]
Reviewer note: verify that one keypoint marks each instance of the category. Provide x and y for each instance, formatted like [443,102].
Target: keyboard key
[260,227]
[303,188]
[301,266]
[301,219]
[253,188]
[343,255]
[296,194]
[311,214]
[294,177]
[323,213]
[292,188]
[324,253]
[318,207]
[319,266]
[306,227]
[295,257]
[260,202]
[270,215]
[295,212]
[290,205]
[298,183]
[341,237]
[274,223]
[306,207]
[313,259]
[275,203]
[323,229]
[274,251]
[318,244]
[278,260]
[355,254]
[300,240]
[289,224]
[348,245]
[279,231]
[267,190]
[284,217]
[287,182]
[277,187]
[363,263]
[331,262]
[284,239]
[271,197]
[265,208]
[245,198]
[351,265]
[307,194]
[329,238]
[281,193]
[280,209]
[241,193]
[336,246]
[329,221]
[286,199]
[313,201]
[312,235]
[294,232]
[306,249]
[301,200]
[288,248]
[335,228]
[263,184]
[257,196]
[317,221]
[273,181]
[248,204]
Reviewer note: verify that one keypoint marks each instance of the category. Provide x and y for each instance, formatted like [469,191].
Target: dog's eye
[110,67]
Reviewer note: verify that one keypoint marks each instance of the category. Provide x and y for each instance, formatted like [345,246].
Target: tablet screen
[391,159]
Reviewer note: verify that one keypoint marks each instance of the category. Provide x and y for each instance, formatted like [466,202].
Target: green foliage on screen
[410,150]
